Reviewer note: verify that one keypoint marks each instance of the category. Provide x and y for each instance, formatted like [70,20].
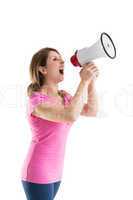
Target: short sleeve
[68,96]
[34,100]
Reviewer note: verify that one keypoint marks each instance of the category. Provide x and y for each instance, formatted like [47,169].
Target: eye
[55,58]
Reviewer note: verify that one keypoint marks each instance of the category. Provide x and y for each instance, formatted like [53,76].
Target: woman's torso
[44,160]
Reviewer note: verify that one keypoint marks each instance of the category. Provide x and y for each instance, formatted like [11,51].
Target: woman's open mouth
[61,71]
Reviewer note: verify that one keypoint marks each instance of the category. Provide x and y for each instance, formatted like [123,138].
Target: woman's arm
[90,109]
[67,113]
[78,100]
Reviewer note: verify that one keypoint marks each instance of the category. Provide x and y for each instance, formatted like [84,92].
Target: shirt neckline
[51,97]
[39,92]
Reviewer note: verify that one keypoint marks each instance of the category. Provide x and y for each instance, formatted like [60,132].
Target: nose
[62,61]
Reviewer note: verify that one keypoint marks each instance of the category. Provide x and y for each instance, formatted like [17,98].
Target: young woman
[51,113]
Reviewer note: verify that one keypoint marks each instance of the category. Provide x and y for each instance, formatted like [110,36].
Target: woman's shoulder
[33,93]
[36,94]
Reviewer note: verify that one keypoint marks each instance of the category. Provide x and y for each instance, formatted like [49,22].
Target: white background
[99,153]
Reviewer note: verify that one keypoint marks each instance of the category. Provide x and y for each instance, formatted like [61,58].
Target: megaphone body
[104,47]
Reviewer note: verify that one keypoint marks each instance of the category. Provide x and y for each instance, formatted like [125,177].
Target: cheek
[53,72]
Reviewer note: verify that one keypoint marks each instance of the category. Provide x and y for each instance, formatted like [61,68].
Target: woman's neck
[50,89]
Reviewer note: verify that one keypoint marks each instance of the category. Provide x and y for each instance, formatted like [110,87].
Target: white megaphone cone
[104,47]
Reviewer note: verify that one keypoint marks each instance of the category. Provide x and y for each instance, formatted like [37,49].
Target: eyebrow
[55,56]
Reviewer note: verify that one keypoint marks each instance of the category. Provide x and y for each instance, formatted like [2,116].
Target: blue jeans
[37,191]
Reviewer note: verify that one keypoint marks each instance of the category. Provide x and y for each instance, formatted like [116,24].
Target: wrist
[91,86]
[85,82]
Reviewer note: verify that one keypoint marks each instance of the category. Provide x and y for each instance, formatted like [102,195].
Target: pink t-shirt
[45,158]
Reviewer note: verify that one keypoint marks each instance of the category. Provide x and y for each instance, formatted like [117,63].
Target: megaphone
[104,47]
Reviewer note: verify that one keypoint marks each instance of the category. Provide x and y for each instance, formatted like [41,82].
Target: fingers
[89,66]
[94,71]
[95,75]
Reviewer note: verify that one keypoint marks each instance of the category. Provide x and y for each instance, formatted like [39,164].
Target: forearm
[78,99]
[92,99]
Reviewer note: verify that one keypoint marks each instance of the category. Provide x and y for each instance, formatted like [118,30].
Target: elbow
[74,117]
[71,114]
[70,117]
[92,114]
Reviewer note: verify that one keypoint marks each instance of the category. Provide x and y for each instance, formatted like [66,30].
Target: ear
[42,69]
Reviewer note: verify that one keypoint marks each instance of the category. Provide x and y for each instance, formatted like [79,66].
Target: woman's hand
[90,70]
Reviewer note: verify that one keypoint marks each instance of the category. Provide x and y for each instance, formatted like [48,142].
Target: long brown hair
[37,78]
